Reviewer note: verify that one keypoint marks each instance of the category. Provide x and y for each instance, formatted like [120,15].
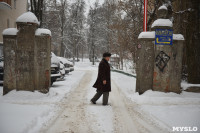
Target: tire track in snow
[128,118]
[72,117]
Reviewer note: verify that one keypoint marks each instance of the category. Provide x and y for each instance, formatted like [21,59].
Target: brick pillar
[25,56]
[9,50]
[42,61]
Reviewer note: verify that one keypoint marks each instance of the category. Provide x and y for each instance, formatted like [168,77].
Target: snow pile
[178,37]
[162,22]
[41,31]
[10,31]
[186,85]
[163,7]
[28,17]
[148,34]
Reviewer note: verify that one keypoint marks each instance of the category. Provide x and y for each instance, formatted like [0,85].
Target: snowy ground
[26,111]
[66,108]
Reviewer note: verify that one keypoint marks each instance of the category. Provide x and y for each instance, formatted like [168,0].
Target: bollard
[9,50]
[42,60]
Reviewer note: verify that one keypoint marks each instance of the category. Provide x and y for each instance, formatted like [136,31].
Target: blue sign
[163,36]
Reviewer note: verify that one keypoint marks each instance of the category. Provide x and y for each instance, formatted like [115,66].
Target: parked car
[1,63]
[66,63]
[55,68]
[71,67]
[62,70]
[1,70]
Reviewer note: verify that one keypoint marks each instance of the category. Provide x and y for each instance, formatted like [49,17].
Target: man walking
[103,83]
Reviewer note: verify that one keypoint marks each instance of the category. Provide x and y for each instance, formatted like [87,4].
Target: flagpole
[145,16]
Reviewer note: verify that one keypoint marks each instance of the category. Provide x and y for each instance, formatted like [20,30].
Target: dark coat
[103,74]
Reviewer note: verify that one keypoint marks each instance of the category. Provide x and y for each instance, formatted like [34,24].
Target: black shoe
[92,102]
[106,104]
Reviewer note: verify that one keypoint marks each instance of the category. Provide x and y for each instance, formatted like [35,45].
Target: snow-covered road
[67,108]
[78,115]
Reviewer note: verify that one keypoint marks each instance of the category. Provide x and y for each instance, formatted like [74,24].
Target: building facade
[9,11]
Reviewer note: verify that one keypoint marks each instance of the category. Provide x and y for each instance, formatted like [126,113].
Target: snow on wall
[148,34]
[28,17]
[162,22]
[10,31]
[163,7]
[41,31]
[178,37]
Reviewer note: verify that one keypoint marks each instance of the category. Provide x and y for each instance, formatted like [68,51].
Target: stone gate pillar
[27,24]
[145,62]
[163,62]
[42,60]
[9,51]
[168,57]
[176,63]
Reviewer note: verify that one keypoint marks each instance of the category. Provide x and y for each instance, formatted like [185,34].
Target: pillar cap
[10,31]
[163,7]
[178,37]
[147,35]
[162,24]
[41,31]
[162,12]
[27,17]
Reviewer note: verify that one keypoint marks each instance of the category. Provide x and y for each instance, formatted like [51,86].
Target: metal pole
[145,16]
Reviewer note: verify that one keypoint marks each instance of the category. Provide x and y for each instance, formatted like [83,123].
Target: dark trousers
[98,95]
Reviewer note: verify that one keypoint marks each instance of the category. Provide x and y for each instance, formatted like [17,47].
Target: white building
[9,11]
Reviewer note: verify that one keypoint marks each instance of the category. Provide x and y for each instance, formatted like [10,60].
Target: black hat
[106,54]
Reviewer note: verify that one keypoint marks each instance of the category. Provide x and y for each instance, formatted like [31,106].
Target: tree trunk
[187,23]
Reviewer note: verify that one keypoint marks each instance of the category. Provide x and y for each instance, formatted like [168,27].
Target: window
[7,1]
